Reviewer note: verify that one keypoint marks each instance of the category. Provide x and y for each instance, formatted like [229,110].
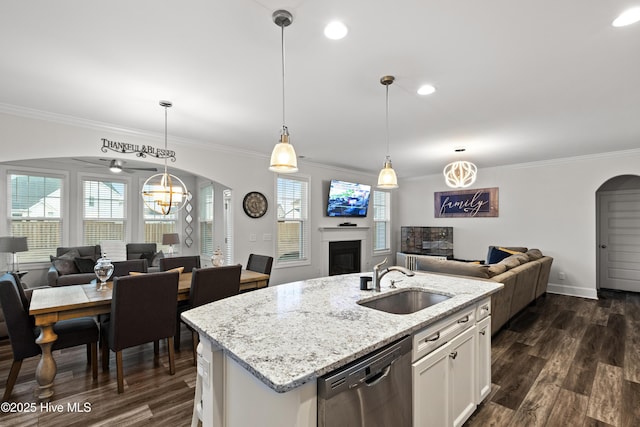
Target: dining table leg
[46,369]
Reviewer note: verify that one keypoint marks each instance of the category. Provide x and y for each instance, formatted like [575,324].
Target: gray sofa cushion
[452,267]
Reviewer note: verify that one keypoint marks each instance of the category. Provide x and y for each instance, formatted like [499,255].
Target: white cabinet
[452,367]
[483,328]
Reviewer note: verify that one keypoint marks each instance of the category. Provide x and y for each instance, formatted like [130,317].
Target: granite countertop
[290,334]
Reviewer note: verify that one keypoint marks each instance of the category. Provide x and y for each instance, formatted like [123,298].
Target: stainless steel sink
[405,302]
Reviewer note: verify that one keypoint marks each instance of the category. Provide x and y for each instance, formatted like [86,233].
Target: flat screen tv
[348,199]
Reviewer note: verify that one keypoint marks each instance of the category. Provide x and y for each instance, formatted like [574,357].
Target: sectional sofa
[523,272]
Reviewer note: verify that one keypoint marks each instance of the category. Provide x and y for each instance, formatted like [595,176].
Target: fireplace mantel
[338,234]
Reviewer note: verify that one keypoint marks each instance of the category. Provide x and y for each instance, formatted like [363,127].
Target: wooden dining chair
[23,333]
[143,309]
[188,262]
[208,285]
[123,268]
[260,264]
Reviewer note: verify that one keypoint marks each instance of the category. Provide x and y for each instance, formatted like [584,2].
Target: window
[381,221]
[155,225]
[36,213]
[104,211]
[292,195]
[206,220]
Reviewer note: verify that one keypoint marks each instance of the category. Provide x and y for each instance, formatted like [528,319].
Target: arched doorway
[618,233]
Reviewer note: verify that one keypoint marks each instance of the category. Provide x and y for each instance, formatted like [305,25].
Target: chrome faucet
[378,275]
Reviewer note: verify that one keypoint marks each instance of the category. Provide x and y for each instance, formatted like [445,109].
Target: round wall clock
[255,204]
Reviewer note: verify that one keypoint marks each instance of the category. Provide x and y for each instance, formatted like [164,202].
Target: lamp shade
[283,156]
[170,239]
[387,177]
[13,244]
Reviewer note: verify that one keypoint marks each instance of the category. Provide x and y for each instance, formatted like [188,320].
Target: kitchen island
[264,350]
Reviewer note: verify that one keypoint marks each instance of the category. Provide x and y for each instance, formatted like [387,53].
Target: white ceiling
[516,81]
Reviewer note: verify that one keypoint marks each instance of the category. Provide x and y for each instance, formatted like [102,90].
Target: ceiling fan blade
[142,169]
[89,162]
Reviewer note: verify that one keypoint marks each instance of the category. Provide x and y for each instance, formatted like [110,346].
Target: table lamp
[170,239]
[13,245]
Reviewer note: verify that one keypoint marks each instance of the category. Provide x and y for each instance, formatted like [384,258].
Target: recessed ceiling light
[426,90]
[628,17]
[335,30]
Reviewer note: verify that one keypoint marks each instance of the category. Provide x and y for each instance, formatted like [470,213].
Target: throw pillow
[496,255]
[148,256]
[155,262]
[84,264]
[65,263]
[534,254]
[510,261]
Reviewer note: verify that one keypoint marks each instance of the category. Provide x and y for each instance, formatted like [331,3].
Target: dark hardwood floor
[151,396]
[567,362]
[564,362]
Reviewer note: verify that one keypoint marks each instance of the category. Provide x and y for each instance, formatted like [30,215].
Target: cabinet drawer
[484,309]
[442,332]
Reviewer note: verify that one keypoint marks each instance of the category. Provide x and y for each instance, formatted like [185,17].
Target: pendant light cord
[387,120]
[283,65]
[165,137]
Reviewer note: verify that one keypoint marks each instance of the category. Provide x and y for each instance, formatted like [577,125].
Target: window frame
[127,208]
[64,204]
[386,220]
[202,222]
[306,259]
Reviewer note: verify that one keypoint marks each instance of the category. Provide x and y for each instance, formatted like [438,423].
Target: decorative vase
[218,258]
[103,270]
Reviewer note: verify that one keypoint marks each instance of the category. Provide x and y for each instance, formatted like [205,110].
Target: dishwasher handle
[371,381]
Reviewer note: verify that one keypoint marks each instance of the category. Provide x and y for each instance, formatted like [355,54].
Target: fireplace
[344,257]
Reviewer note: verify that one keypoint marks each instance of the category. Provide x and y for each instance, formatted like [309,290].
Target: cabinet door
[431,389]
[462,357]
[484,359]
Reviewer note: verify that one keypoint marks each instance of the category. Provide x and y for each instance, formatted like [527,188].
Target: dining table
[52,304]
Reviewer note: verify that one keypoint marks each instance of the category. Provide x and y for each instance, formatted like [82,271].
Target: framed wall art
[479,202]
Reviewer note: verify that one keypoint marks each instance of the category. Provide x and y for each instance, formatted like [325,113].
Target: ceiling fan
[116,165]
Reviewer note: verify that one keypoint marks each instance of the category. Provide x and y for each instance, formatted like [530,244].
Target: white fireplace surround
[341,234]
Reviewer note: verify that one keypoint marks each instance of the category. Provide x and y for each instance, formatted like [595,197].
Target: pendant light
[164,193]
[461,173]
[387,178]
[283,156]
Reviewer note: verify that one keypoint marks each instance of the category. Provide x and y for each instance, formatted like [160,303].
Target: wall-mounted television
[348,199]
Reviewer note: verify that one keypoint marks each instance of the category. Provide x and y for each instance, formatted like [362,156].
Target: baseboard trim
[572,291]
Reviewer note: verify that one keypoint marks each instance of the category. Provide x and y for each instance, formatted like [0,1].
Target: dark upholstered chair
[23,334]
[143,309]
[122,268]
[208,285]
[188,262]
[137,250]
[260,264]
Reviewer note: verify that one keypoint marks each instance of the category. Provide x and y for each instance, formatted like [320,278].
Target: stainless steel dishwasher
[372,391]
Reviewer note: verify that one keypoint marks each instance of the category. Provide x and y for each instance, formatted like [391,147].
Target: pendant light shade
[387,178]
[164,193]
[283,156]
[460,174]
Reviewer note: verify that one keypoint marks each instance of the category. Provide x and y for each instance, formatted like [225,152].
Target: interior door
[619,240]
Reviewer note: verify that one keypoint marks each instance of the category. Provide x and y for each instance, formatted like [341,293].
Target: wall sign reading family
[481,202]
[139,150]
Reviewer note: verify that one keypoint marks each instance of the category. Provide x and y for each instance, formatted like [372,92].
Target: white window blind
[103,211]
[206,220]
[292,196]
[381,220]
[228,227]
[36,213]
